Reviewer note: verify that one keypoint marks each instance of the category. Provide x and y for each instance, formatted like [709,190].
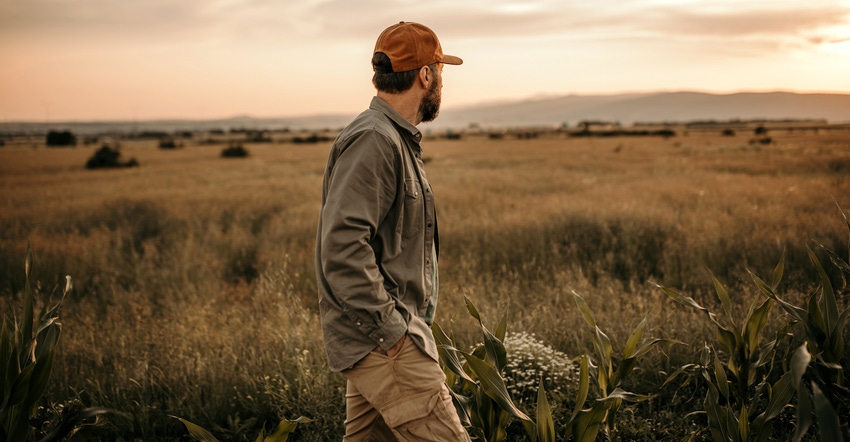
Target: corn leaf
[585,310]
[723,295]
[778,271]
[634,339]
[448,354]
[19,388]
[197,432]
[804,413]
[744,423]
[583,387]
[470,307]
[545,424]
[496,352]
[828,304]
[780,396]
[502,328]
[586,426]
[799,362]
[285,428]
[720,377]
[620,394]
[493,385]
[830,429]
[40,376]
[756,321]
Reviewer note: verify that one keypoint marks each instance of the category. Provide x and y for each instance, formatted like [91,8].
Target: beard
[429,107]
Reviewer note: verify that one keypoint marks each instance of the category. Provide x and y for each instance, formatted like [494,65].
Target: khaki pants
[403,398]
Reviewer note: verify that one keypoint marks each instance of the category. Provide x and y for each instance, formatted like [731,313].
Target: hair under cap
[411,45]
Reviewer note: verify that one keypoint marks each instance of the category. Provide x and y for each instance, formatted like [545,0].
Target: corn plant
[281,433]
[27,350]
[478,386]
[608,379]
[738,374]
[825,329]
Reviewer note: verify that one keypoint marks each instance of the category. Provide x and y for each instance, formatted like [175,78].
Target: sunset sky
[64,60]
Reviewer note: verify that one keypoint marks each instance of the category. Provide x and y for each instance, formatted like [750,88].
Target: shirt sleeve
[360,191]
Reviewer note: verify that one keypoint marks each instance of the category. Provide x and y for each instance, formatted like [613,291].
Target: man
[376,252]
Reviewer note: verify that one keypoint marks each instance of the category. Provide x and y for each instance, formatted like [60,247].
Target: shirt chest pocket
[414,209]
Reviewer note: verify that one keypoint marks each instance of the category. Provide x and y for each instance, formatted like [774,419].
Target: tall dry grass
[195,285]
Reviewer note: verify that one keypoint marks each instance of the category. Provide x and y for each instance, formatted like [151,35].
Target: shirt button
[358,323]
[381,340]
[429,225]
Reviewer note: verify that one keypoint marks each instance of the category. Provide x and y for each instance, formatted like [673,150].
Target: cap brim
[451,59]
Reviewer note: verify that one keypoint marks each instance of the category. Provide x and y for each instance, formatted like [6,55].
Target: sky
[81,60]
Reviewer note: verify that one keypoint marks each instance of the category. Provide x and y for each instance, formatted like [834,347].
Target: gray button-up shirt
[377,239]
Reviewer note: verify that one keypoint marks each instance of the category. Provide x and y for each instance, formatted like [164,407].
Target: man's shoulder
[370,120]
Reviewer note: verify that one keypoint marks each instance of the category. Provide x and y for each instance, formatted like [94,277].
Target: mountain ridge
[569,110]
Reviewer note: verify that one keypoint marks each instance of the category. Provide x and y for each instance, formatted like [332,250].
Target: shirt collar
[379,104]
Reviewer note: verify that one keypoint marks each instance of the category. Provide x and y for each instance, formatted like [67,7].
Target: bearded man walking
[377,248]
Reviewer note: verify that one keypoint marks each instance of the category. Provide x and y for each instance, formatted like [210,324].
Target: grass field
[194,284]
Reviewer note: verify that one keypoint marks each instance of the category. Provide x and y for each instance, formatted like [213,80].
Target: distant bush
[761,130]
[314,138]
[728,133]
[169,143]
[235,151]
[63,138]
[107,157]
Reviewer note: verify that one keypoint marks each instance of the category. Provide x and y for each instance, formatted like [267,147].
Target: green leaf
[828,304]
[20,387]
[799,363]
[604,349]
[586,426]
[830,429]
[723,295]
[494,386]
[502,328]
[583,387]
[40,377]
[584,309]
[780,396]
[756,320]
[804,413]
[285,428]
[496,352]
[470,307]
[778,271]
[620,394]
[448,355]
[196,432]
[545,424]
[720,377]
[634,339]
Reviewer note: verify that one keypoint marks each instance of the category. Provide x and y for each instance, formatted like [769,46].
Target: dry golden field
[194,281]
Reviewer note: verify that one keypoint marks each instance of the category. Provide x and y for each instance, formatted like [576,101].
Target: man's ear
[425,76]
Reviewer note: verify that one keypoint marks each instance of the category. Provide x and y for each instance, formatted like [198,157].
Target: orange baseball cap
[412,45]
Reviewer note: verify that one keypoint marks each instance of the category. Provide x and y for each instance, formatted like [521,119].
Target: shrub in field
[61,138]
[27,350]
[478,386]
[608,379]
[108,157]
[234,151]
